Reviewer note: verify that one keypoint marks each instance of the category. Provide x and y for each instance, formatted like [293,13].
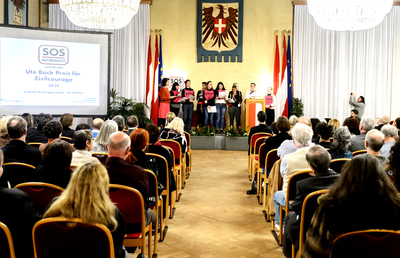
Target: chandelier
[100,14]
[345,15]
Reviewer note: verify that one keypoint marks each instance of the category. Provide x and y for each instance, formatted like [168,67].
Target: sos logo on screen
[180,80]
[53,55]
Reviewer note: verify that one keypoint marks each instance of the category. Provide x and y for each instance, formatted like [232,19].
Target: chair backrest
[130,202]
[310,204]
[337,164]
[72,168]
[258,143]
[360,152]
[292,184]
[63,237]
[41,194]
[254,138]
[188,140]
[163,174]
[35,144]
[261,160]
[367,243]
[101,156]
[176,148]
[6,242]
[272,157]
[18,173]
[65,138]
[172,156]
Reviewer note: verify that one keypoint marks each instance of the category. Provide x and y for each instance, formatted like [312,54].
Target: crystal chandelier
[100,14]
[345,15]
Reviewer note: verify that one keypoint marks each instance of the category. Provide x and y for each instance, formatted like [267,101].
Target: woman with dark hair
[209,101]
[221,95]
[359,105]
[314,122]
[393,166]
[324,132]
[165,98]
[200,102]
[66,120]
[341,143]
[52,130]
[57,158]
[353,125]
[363,198]
[28,118]
[139,140]
[175,97]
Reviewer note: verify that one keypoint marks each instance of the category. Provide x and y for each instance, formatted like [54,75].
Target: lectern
[253,106]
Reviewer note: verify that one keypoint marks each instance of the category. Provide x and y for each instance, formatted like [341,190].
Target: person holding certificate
[200,102]
[187,108]
[234,108]
[175,105]
[221,95]
[209,104]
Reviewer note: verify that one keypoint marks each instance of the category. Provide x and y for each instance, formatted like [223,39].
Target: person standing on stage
[175,97]
[359,105]
[252,93]
[221,95]
[165,100]
[270,101]
[209,101]
[200,102]
[187,107]
[234,108]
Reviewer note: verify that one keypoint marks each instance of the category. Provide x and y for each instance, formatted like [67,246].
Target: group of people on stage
[210,101]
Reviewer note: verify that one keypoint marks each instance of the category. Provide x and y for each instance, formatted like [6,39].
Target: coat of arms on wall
[16,12]
[219,30]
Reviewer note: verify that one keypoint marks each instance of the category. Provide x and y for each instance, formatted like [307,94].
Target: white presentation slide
[49,73]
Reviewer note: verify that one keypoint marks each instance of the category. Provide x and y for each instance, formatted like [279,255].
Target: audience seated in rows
[139,140]
[52,130]
[29,119]
[274,129]
[97,124]
[391,135]
[82,126]
[83,143]
[174,131]
[324,133]
[17,150]
[357,142]
[292,163]
[341,143]
[19,215]
[123,173]
[363,198]
[319,161]
[67,120]
[382,121]
[353,124]
[4,137]
[260,128]
[170,116]
[373,143]
[396,123]
[101,140]
[35,134]
[86,198]
[132,123]
[334,123]
[293,120]
[120,122]
[393,165]
[314,122]
[288,146]
[57,158]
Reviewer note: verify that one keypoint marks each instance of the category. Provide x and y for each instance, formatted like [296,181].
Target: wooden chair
[367,243]
[41,194]
[6,242]
[101,156]
[65,138]
[310,204]
[253,140]
[18,173]
[189,145]
[259,169]
[131,204]
[158,205]
[175,196]
[176,148]
[336,164]
[254,162]
[163,178]
[72,238]
[272,156]
[35,144]
[290,196]
[360,152]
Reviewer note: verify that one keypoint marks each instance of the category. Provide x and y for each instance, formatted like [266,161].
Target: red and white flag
[282,92]
[155,104]
[149,76]
[276,68]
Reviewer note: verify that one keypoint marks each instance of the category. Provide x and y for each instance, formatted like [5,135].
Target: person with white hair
[99,144]
[391,135]
[292,163]
[357,142]
[174,131]
[382,121]
[270,101]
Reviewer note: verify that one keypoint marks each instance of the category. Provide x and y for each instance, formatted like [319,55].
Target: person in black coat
[261,128]
[17,150]
[19,215]
[319,161]
[35,134]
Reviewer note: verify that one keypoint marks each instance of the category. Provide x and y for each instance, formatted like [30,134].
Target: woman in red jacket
[165,97]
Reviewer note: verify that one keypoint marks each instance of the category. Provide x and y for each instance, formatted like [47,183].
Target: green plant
[234,132]
[127,107]
[297,107]
[203,131]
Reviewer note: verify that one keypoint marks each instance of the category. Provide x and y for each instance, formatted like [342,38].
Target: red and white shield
[219,25]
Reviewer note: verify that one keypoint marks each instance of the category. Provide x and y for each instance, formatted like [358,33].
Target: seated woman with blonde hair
[174,131]
[335,123]
[86,197]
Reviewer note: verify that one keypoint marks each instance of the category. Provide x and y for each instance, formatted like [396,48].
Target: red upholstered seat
[134,235]
[256,158]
